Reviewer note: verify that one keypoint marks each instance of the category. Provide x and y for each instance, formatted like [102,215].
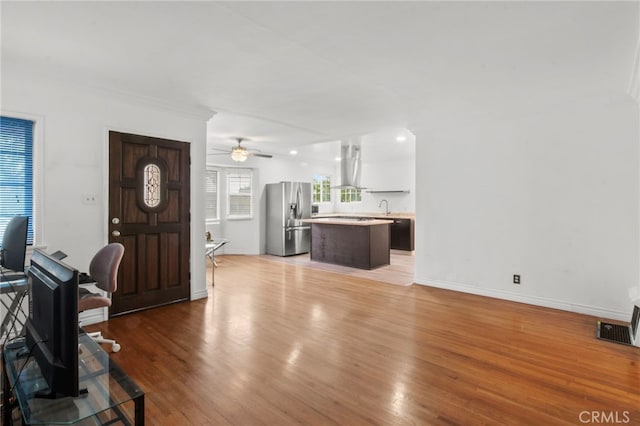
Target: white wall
[553,197]
[74,124]
[394,174]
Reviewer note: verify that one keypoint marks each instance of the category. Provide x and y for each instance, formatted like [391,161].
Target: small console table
[110,391]
[210,249]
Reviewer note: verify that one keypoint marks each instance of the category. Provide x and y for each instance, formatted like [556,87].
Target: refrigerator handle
[299,202]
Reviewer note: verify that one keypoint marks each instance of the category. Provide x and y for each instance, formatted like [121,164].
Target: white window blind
[211,194]
[240,193]
[16,172]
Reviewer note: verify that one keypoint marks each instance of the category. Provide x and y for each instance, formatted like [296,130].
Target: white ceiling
[286,74]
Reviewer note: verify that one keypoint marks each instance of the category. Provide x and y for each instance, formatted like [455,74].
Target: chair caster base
[97,337]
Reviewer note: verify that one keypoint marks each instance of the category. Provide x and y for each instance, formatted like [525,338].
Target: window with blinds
[16,172]
[212,202]
[240,194]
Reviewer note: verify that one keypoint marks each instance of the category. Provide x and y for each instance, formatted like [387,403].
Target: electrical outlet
[516,279]
[89,199]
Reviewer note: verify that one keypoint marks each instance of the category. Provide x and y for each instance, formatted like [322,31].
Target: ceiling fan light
[238,153]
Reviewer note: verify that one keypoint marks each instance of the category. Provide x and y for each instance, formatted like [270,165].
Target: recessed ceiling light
[338,158]
[401,138]
[293,152]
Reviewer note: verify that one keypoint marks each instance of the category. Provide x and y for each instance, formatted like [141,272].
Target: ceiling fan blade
[238,150]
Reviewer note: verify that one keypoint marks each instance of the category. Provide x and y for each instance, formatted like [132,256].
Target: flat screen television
[52,327]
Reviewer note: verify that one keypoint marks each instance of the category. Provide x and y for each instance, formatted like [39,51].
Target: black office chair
[13,280]
[14,249]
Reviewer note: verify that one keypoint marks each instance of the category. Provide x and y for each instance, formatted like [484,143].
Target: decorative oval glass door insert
[152,188]
[151,185]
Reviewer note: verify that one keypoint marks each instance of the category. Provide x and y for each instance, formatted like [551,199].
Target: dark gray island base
[360,244]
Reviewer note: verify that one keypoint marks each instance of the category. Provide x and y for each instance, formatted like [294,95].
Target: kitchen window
[321,189]
[350,195]
[239,194]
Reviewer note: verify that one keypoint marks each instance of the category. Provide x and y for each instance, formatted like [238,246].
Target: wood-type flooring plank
[280,344]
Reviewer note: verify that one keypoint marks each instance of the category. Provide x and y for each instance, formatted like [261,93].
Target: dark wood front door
[149,203]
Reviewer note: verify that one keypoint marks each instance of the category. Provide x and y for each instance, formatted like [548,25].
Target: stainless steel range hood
[350,165]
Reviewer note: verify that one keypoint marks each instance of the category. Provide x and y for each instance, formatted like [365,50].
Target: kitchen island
[359,243]
[402,228]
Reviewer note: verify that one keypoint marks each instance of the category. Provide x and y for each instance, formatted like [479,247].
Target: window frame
[239,172]
[212,169]
[37,172]
[322,181]
[350,195]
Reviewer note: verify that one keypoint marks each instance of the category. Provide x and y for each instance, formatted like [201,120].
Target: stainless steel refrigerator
[288,203]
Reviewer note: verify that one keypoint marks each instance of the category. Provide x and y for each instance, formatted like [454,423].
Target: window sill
[239,217]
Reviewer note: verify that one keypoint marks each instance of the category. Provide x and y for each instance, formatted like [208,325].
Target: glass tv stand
[110,391]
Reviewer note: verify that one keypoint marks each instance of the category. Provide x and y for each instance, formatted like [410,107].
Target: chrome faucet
[386,207]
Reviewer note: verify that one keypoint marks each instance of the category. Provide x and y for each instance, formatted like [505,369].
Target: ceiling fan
[240,153]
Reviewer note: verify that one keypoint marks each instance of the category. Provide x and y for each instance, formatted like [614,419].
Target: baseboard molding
[403,252]
[200,294]
[530,300]
[240,253]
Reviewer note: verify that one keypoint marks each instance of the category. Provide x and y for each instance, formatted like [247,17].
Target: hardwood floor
[280,344]
[400,271]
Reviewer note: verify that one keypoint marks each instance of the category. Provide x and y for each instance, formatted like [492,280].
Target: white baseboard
[530,300]
[403,252]
[200,294]
[240,253]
